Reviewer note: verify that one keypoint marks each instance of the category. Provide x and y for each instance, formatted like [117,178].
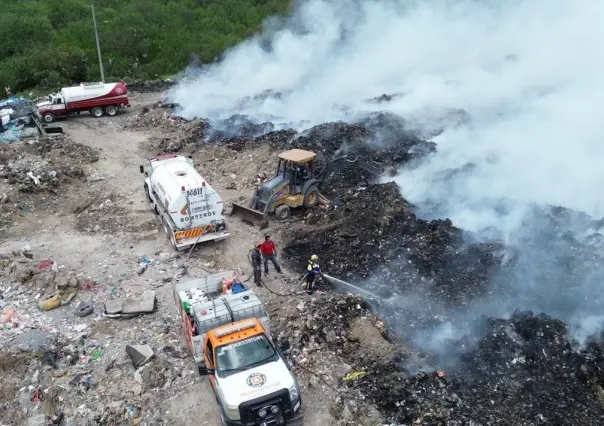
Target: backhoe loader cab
[293,185]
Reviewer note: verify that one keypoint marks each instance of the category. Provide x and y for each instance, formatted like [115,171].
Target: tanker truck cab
[189,209]
[251,378]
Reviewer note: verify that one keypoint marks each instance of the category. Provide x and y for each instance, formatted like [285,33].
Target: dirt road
[104,242]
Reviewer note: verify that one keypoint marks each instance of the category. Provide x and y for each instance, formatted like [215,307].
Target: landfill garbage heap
[525,370]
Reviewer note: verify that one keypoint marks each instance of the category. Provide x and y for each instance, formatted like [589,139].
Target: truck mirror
[142,169]
[284,345]
[203,370]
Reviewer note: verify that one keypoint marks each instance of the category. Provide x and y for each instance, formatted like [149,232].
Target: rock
[145,303]
[113,306]
[36,377]
[137,389]
[139,354]
[34,339]
[62,282]
[116,407]
[330,336]
[96,177]
[312,218]
[38,420]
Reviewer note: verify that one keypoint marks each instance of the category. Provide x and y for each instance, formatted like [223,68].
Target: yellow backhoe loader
[296,184]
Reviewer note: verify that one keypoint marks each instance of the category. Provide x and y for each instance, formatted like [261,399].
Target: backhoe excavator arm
[341,163]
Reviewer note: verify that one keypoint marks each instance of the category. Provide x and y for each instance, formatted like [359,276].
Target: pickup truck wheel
[148,196]
[48,117]
[111,110]
[97,112]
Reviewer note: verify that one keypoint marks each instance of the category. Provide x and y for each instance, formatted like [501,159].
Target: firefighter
[312,271]
[256,259]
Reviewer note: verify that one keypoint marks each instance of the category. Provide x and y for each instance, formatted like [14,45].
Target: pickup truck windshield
[248,353]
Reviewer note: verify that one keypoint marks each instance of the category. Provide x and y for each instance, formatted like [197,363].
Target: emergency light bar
[235,327]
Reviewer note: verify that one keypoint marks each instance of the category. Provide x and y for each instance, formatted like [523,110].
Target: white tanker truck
[189,209]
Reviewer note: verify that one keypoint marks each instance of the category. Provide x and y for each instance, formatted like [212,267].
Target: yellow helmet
[314,257]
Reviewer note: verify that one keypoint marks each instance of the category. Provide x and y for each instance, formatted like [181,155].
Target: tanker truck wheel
[48,117]
[169,233]
[111,111]
[97,112]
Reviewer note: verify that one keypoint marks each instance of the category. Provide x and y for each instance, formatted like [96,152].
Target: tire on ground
[48,117]
[84,310]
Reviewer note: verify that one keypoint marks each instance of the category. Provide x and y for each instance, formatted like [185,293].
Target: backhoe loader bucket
[249,216]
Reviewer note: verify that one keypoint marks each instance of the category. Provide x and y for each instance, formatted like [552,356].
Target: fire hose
[293,292]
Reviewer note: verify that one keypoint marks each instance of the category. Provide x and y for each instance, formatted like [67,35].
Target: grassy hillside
[49,43]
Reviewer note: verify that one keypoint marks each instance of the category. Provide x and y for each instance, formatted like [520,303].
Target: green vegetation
[50,43]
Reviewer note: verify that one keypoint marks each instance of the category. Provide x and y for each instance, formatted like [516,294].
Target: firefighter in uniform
[256,259]
[312,271]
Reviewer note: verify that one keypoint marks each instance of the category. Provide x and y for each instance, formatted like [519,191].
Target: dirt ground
[97,226]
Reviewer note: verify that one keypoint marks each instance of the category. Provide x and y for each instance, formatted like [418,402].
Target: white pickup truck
[227,331]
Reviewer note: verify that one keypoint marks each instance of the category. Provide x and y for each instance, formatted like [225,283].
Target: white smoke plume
[527,73]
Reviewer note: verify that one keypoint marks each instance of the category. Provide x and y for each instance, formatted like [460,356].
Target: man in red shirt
[269,252]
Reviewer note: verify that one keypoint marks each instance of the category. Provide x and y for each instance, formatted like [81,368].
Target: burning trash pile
[329,336]
[380,137]
[524,370]
[374,232]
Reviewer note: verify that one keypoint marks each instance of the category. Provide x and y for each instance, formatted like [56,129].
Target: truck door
[209,359]
[58,104]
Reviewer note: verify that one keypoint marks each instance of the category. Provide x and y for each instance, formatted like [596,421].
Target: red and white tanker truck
[97,98]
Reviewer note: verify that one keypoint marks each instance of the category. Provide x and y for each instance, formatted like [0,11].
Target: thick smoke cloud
[511,88]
